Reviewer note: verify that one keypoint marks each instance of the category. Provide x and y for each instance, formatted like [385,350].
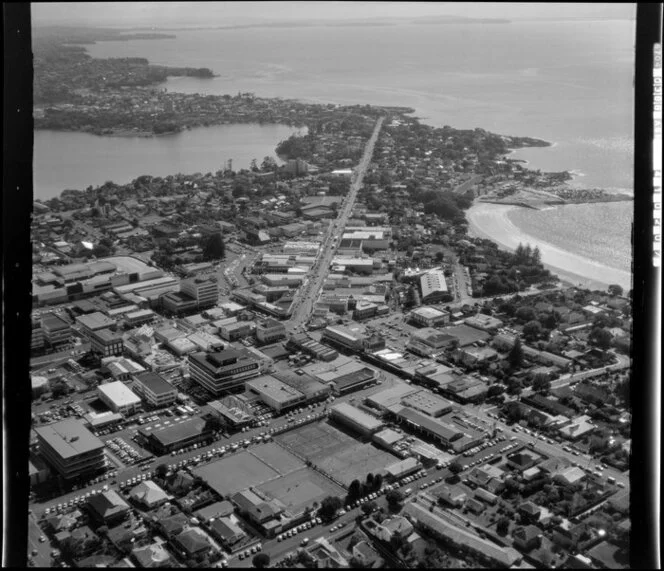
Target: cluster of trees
[358,489]
[329,507]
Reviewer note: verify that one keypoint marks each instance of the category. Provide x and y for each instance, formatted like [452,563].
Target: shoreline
[490,221]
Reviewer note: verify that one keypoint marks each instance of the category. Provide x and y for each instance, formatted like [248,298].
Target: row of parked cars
[299,529]
[247,553]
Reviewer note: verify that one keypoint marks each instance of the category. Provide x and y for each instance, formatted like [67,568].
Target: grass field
[301,488]
[336,452]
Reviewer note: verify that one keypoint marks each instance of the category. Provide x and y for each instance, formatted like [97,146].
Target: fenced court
[235,473]
[335,452]
[300,489]
[277,458]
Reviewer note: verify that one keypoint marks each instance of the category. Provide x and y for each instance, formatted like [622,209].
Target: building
[106,342]
[429,317]
[364,310]
[484,322]
[233,412]
[70,448]
[428,403]
[57,332]
[349,338]
[270,330]
[434,286]
[274,393]
[119,398]
[108,508]
[352,376]
[358,420]
[444,432]
[154,389]
[402,468]
[237,330]
[223,371]
[95,321]
[203,290]
[165,439]
[177,303]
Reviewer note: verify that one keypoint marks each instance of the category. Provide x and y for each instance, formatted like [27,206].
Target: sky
[173,14]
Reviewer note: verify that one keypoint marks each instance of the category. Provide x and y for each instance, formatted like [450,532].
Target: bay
[73,160]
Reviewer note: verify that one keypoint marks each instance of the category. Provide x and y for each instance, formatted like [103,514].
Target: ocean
[568,82]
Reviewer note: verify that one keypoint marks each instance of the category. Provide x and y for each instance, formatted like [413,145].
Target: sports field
[301,488]
[235,473]
[335,452]
[277,458]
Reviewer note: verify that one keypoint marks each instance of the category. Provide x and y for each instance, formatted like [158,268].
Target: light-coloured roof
[119,394]
[69,438]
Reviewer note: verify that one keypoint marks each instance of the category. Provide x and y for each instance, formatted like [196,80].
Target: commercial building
[311,388]
[364,310]
[106,342]
[136,318]
[154,389]
[444,432]
[119,398]
[70,448]
[232,411]
[203,290]
[402,468]
[350,338]
[270,330]
[484,322]
[352,376]
[302,342]
[274,393]
[223,371]
[57,332]
[238,330]
[165,439]
[429,317]
[358,420]
[96,321]
[428,403]
[434,286]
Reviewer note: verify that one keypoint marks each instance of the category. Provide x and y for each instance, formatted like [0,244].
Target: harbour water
[71,160]
[568,82]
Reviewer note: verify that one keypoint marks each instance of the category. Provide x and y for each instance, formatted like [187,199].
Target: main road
[307,294]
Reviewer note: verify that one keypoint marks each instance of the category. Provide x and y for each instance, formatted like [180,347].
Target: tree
[536,256]
[214,247]
[161,470]
[601,337]
[525,314]
[615,289]
[213,424]
[532,330]
[354,490]
[370,480]
[515,356]
[261,560]
[378,482]
[456,467]
[503,526]
[329,507]
[369,507]
[394,498]
[495,390]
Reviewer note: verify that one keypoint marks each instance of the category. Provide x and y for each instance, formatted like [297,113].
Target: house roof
[108,504]
[193,540]
[148,493]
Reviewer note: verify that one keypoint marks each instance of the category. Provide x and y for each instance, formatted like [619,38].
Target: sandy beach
[491,221]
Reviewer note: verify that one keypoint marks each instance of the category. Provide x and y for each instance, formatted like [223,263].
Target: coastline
[486,220]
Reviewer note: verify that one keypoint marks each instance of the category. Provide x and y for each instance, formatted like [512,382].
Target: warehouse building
[71,449]
[119,398]
[444,432]
[349,377]
[353,417]
[429,317]
[434,286]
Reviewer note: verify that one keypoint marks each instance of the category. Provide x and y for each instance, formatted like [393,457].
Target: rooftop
[69,438]
[155,383]
[119,394]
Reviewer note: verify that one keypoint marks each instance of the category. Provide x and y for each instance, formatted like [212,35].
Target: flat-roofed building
[484,322]
[223,371]
[428,403]
[445,432]
[70,448]
[364,310]
[119,398]
[95,322]
[403,468]
[270,330]
[178,303]
[429,317]
[238,330]
[234,412]
[106,342]
[311,388]
[204,290]
[156,390]
[274,393]
[57,332]
[135,318]
[360,421]
[434,286]
[349,377]
[352,338]
[165,439]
